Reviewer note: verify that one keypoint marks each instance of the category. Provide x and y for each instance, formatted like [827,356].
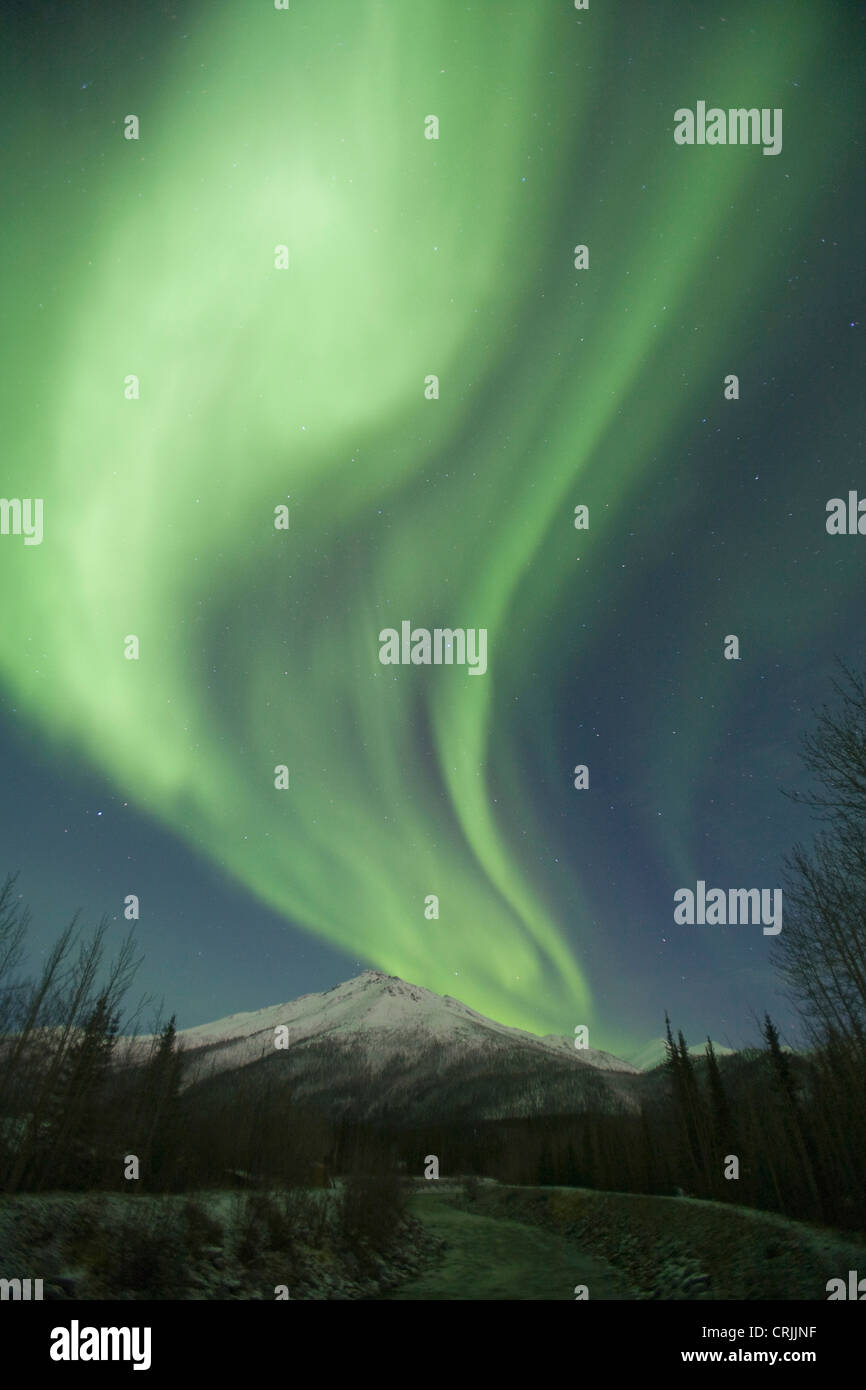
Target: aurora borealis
[305,387]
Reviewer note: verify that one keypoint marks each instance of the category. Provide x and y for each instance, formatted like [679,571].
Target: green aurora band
[258,387]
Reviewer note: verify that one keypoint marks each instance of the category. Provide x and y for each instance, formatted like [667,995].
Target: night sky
[305,387]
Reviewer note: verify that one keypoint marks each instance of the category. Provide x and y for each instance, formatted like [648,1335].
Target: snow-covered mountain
[377,1045]
[383,1008]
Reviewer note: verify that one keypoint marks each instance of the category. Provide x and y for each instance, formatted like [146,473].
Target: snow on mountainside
[654,1053]
[387,1016]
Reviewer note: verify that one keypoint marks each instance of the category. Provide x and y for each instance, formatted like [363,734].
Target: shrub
[307,1214]
[139,1252]
[201,1227]
[260,1224]
[372,1208]
[470,1188]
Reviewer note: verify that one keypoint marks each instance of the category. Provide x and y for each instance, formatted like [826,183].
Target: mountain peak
[372,1003]
[430,1051]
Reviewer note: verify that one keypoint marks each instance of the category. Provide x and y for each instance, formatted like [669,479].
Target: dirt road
[489,1259]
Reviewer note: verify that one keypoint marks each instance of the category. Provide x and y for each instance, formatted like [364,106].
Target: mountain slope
[377,1046]
[653,1053]
[384,1008]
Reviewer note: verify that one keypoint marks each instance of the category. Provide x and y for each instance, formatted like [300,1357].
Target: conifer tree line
[72,1104]
[771,1127]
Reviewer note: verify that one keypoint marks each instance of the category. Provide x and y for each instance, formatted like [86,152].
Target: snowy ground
[671,1248]
[113,1246]
[508,1243]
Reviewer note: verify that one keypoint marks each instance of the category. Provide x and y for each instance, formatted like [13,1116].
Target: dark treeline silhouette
[793,1123]
[73,1101]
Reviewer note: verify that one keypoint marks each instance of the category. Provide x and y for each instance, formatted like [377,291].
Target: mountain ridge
[378,1048]
[363,1003]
